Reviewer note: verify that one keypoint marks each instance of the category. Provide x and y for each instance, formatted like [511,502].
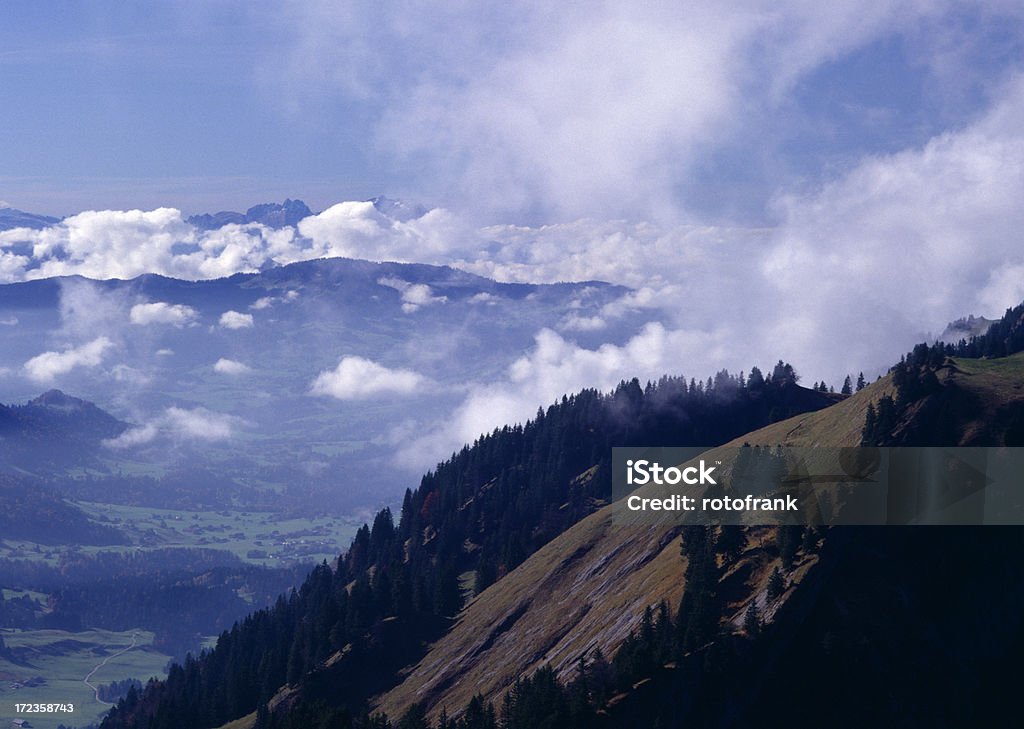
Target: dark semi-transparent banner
[831,486]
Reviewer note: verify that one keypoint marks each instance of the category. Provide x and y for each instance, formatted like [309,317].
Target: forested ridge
[53,431]
[476,516]
[915,377]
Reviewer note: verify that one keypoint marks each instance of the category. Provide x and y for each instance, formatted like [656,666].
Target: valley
[50,667]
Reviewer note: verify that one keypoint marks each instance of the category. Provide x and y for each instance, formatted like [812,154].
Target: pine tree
[776,584]
[787,539]
[756,379]
[869,432]
[847,387]
[414,718]
[861,384]
[751,621]
[731,541]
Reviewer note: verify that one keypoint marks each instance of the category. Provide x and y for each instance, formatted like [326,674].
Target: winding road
[95,690]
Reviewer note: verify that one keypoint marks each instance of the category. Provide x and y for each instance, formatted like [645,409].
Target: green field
[244,533]
[62,660]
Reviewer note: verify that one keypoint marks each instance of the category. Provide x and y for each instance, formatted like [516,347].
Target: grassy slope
[589,587]
[997,384]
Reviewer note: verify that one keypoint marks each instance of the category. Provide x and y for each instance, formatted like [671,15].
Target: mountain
[587,589]
[965,328]
[397,209]
[272,215]
[613,622]
[290,212]
[472,520]
[52,432]
[55,413]
[11,218]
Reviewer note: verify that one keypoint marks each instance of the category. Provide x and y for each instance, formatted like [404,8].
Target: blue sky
[516,111]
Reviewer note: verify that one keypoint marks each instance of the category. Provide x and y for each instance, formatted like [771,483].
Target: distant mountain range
[290,212]
[273,215]
[14,218]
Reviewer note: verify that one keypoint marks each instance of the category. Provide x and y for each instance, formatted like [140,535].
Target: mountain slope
[479,514]
[52,432]
[591,587]
[588,588]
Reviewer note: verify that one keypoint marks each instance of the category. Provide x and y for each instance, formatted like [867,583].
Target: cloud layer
[852,272]
[625,110]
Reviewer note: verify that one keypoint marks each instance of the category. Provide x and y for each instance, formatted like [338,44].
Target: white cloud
[130,375]
[160,312]
[87,310]
[414,296]
[594,109]
[236,320]
[133,437]
[266,302]
[12,266]
[359,230]
[556,366]
[1005,288]
[164,352]
[230,367]
[855,270]
[357,378]
[642,298]
[578,323]
[863,268]
[106,244]
[180,424]
[128,243]
[48,366]
[483,298]
[9,321]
